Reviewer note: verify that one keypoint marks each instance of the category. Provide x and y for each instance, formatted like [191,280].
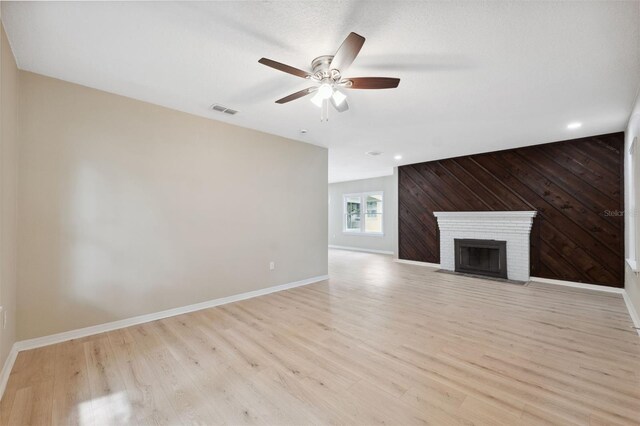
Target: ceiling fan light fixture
[338,97]
[317,99]
[325,91]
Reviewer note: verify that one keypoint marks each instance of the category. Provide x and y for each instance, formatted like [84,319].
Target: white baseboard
[6,369]
[101,328]
[38,342]
[360,249]
[579,285]
[415,262]
[110,326]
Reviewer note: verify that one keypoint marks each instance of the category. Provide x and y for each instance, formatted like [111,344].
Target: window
[353,213]
[363,213]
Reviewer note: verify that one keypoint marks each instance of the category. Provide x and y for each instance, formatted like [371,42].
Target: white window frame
[363,209]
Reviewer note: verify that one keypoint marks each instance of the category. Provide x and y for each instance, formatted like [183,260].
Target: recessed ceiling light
[574,125]
[398,157]
[303,131]
[373,153]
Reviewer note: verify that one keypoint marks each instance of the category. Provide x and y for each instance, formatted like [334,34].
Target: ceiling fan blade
[294,96]
[372,83]
[284,68]
[341,107]
[347,52]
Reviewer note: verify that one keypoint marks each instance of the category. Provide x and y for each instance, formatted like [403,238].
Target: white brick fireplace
[514,227]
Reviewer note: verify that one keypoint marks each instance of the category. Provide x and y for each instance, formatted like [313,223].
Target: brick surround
[514,227]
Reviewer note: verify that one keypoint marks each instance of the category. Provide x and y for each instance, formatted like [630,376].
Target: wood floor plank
[378,343]
[109,401]
[71,385]
[143,387]
[186,394]
[21,408]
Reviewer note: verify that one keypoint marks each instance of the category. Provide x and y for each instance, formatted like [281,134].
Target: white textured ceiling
[476,77]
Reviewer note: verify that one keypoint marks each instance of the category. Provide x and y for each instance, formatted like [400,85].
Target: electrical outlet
[272,265]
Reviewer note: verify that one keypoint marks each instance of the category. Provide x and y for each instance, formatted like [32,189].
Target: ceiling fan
[327,74]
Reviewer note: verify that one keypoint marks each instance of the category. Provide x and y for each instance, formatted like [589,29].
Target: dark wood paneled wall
[576,186]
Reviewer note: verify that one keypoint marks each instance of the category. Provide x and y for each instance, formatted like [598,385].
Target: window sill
[363,234]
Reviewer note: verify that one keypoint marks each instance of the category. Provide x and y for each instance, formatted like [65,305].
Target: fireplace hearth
[481,257]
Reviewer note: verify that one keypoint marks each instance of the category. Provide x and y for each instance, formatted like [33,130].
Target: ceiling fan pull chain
[324,111]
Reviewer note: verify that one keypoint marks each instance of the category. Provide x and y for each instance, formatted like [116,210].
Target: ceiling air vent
[224,109]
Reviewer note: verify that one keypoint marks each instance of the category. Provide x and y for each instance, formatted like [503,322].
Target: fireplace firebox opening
[481,257]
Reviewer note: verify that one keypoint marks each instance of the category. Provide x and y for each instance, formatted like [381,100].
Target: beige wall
[632,200]
[337,237]
[8,194]
[127,208]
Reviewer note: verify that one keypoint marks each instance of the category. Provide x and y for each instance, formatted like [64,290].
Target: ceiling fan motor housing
[322,71]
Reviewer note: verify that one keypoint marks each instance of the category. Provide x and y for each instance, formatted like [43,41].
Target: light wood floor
[380,342]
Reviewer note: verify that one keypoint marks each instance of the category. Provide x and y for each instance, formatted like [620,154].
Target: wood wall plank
[572,185]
